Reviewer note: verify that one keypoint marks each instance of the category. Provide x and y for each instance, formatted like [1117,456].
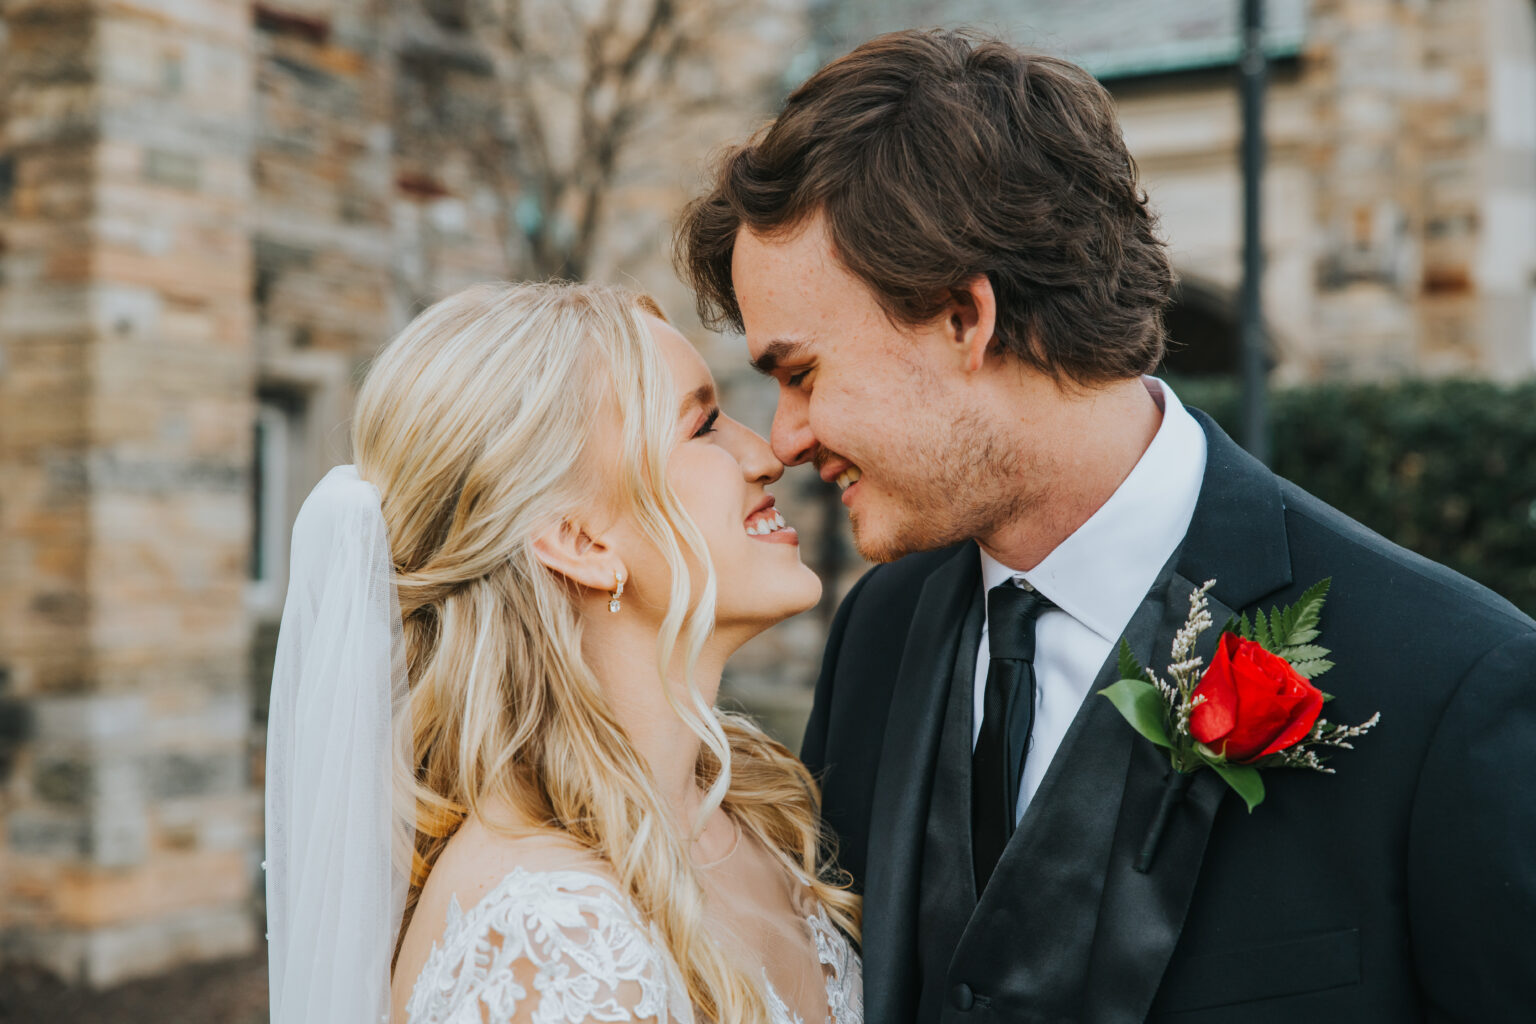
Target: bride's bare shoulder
[479,857]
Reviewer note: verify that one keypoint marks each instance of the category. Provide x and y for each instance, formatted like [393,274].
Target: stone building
[1400,188]
[127,396]
[212,212]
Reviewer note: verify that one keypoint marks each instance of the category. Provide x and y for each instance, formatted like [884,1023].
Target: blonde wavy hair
[475,425]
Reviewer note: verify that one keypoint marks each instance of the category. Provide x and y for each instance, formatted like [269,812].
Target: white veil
[337,848]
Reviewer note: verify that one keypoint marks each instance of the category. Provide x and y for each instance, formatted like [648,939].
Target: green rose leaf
[1140,703]
[1245,779]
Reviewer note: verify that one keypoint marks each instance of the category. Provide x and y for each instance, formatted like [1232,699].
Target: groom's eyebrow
[778,352]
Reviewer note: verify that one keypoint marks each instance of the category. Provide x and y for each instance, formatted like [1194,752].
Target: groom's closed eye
[777,353]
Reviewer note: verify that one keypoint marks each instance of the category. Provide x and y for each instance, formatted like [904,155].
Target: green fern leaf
[1281,620]
[1261,631]
[1308,609]
[1311,669]
[1303,652]
[1130,668]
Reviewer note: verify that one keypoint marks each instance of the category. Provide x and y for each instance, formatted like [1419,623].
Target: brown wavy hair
[936,157]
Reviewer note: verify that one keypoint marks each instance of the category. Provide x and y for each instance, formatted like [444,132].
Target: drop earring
[618,591]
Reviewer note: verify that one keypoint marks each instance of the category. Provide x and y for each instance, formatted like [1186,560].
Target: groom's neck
[1080,455]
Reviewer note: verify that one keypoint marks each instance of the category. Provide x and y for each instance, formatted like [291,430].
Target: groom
[940,252]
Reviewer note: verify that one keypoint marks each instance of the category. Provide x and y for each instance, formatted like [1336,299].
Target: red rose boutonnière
[1254,707]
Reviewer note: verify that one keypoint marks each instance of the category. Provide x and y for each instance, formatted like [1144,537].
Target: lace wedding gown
[567,946]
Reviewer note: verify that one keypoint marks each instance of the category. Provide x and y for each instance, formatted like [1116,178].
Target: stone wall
[1400,184]
[1392,84]
[1400,188]
[1505,268]
[212,213]
[322,285]
[125,317]
[1184,132]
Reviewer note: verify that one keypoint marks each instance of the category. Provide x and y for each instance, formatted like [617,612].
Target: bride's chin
[746,625]
[807,595]
[794,594]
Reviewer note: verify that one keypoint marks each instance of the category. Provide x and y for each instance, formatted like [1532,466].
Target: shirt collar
[1100,574]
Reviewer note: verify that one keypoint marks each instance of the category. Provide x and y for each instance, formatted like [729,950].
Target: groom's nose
[791,436]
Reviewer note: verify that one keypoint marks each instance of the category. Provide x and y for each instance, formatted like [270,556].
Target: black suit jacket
[1402,888]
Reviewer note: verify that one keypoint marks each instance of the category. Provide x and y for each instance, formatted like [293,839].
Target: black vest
[947,890]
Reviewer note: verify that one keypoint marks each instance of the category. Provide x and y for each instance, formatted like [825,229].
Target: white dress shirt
[1096,579]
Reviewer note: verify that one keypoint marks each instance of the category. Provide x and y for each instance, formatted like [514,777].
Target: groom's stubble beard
[957,483]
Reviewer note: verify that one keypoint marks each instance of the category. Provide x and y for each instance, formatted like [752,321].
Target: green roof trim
[1111,38]
[1185,56]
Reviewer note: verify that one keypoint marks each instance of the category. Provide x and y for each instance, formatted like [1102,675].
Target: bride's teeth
[771,522]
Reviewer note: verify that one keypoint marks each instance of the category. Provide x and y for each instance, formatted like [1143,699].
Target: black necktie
[1008,714]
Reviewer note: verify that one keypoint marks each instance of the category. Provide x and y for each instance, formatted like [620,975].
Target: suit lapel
[1237,537]
[1050,880]
[904,782]
[1141,914]
[1088,936]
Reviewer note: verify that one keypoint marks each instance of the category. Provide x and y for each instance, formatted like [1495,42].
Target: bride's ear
[571,549]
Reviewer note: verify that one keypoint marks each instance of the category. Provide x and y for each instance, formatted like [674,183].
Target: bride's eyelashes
[709,423]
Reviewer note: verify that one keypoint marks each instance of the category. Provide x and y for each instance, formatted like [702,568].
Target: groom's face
[883,410]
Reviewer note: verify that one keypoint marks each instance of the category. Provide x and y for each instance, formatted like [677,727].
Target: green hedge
[1445,468]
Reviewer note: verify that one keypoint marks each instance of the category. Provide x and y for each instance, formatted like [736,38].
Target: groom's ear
[576,551]
[972,319]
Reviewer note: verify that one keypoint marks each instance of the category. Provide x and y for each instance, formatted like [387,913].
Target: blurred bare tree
[545,97]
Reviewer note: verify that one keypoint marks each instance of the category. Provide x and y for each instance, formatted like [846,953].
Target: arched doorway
[1203,334]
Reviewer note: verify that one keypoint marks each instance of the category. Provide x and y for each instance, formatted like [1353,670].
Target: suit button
[961,997]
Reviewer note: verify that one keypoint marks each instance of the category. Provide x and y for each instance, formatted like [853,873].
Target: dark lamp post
[1255,357]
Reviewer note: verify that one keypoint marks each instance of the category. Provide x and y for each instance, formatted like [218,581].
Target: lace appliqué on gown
[845,972]
[568,934]
[588,957]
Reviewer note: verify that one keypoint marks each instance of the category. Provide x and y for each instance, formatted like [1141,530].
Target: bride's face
[719,470]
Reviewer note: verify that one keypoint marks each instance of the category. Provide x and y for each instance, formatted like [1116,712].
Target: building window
[276,432]
[450,14]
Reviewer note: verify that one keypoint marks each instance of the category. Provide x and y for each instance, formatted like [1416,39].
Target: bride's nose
[758,463]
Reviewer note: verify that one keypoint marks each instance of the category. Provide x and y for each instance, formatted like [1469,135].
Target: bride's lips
[784,535]
[766,524]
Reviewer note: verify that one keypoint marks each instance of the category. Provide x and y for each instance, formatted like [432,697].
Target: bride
[498,788]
